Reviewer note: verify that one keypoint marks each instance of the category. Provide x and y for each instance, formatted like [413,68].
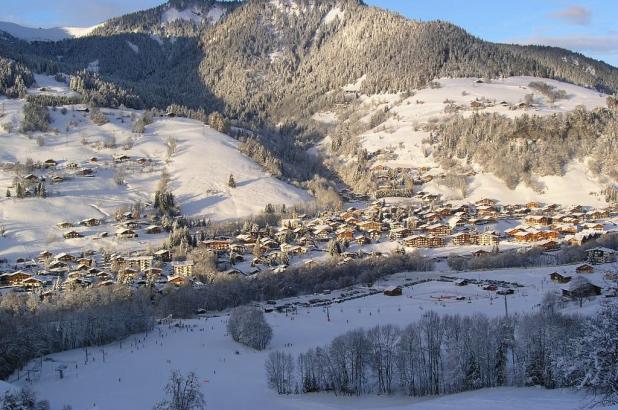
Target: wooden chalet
[601,255]
[585,268]
[393,291]
[559,278]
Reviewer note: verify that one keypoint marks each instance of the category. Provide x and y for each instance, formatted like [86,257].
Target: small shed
[393,291]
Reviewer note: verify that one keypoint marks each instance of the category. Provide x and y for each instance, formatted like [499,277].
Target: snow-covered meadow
[199,169]
[403,133]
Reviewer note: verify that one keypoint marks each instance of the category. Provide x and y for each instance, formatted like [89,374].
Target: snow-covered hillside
[44,34]
[403,135]
[233,376]
[199,170]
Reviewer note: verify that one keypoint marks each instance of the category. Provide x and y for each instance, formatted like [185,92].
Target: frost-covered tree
[279,372]
[182,393]
[247,325]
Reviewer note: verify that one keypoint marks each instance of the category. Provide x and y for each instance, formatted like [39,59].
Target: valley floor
[132,373]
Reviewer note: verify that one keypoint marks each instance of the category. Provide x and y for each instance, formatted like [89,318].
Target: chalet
[90,222]
[549,245]
[64,225]
[423,241]
[480,253]
[57,179]
[216,244]
[177,280]
[65,257]
[598,214]
[393,291]
[121,158]
[512,232]
[269,243]
[45,255]
[140,263]
[85,172]
[580,287]
[583,237]
[594,226]
[439,230]
[398,233]
[163,255]
[533,205]
[370,225]
[31,178]
[345,234]
[56,265]
[558,278]
[132,224]
[72,235]
[126,233]
[461,282]
[566,229]
[488,238]
[14,278]
[31,283]
[183,268]
[539,220]
[486,202]
[585,268]
[524,237]
[362,240]
[238,248]
[462,238]
[153,229]
[601,255]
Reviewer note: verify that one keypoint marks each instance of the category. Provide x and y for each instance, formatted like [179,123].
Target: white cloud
[607,44]
[574,15]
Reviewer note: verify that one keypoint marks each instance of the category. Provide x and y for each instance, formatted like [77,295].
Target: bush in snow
[248,326]
[22,400]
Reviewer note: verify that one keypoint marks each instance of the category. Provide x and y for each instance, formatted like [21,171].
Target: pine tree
[8,193]
[231,182]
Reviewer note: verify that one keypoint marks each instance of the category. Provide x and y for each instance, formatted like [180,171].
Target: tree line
[450,354]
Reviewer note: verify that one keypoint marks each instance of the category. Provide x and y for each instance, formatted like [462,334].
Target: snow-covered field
[232,376]
[199,170]
[403,133]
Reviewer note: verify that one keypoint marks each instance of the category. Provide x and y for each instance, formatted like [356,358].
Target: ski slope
[232,376]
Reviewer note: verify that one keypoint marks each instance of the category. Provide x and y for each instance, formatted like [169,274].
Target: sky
[589,27]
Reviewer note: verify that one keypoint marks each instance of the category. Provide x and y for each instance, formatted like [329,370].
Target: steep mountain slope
[307,49]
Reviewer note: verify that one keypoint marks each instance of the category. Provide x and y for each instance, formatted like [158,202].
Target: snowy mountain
[45,34]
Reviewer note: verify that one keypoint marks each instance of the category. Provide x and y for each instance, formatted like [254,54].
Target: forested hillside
[269,66]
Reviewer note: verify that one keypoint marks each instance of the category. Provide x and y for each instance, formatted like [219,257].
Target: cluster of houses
[428,224]
[128,225]
[49,272]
